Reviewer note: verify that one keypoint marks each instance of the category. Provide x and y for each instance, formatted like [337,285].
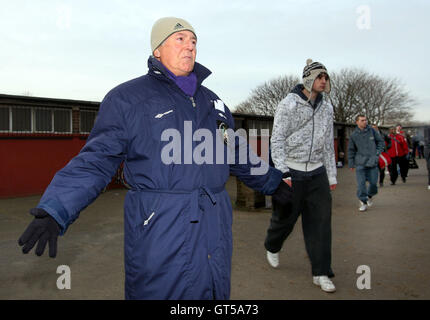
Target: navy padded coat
[177,216]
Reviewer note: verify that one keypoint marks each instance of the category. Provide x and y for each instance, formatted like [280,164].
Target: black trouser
[421,152]
[312,199]
[404,168]
[393,170]
[414,149]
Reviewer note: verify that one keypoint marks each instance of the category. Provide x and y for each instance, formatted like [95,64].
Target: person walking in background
[398,152]
[364,147]
[408,136]
[415,143]
[421,145]
[404,160]
[303,149]
[384,157]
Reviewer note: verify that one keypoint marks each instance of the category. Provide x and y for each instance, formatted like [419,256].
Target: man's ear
[157,54]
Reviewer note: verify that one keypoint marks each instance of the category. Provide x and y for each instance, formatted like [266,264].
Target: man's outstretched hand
[43,229]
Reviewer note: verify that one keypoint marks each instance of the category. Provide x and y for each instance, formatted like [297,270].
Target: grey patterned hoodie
[302,136]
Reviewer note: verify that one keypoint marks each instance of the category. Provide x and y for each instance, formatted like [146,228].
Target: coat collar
[157,69]
[367,128]
[298,89]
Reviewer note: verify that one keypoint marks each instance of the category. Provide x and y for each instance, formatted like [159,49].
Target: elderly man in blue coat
[178,215]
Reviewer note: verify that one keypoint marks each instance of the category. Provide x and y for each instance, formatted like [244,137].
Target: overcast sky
[81,49]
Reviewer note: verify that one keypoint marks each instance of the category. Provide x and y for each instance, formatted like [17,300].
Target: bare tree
[382,101]
[353,91]
[265,98]
[345,87]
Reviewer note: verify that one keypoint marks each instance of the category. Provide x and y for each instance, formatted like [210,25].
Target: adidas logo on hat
[165,27]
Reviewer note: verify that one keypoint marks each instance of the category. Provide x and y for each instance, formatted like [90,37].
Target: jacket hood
[155,67]
[298,89]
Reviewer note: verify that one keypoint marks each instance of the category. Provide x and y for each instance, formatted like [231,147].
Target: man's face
[178,53]
[320,83]
[361,122]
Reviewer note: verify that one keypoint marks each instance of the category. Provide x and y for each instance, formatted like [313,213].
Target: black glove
[283,194]
[43,228]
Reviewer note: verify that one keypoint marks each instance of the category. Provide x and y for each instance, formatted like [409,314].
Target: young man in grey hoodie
[302,147]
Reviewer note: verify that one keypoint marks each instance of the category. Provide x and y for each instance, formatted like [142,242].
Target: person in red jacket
[404,160]
[384,157]
[398,153]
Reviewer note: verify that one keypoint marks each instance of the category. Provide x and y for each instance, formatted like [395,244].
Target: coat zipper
[191,98]
[312,140]
[397,152]
[193,102]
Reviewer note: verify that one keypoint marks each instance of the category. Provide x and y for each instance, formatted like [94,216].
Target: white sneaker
[363,206]
[428,188]
[325,283]
[273,259]
[369,202]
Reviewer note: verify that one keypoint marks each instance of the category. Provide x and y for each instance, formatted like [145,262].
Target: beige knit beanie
[165,27]
[311,71]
